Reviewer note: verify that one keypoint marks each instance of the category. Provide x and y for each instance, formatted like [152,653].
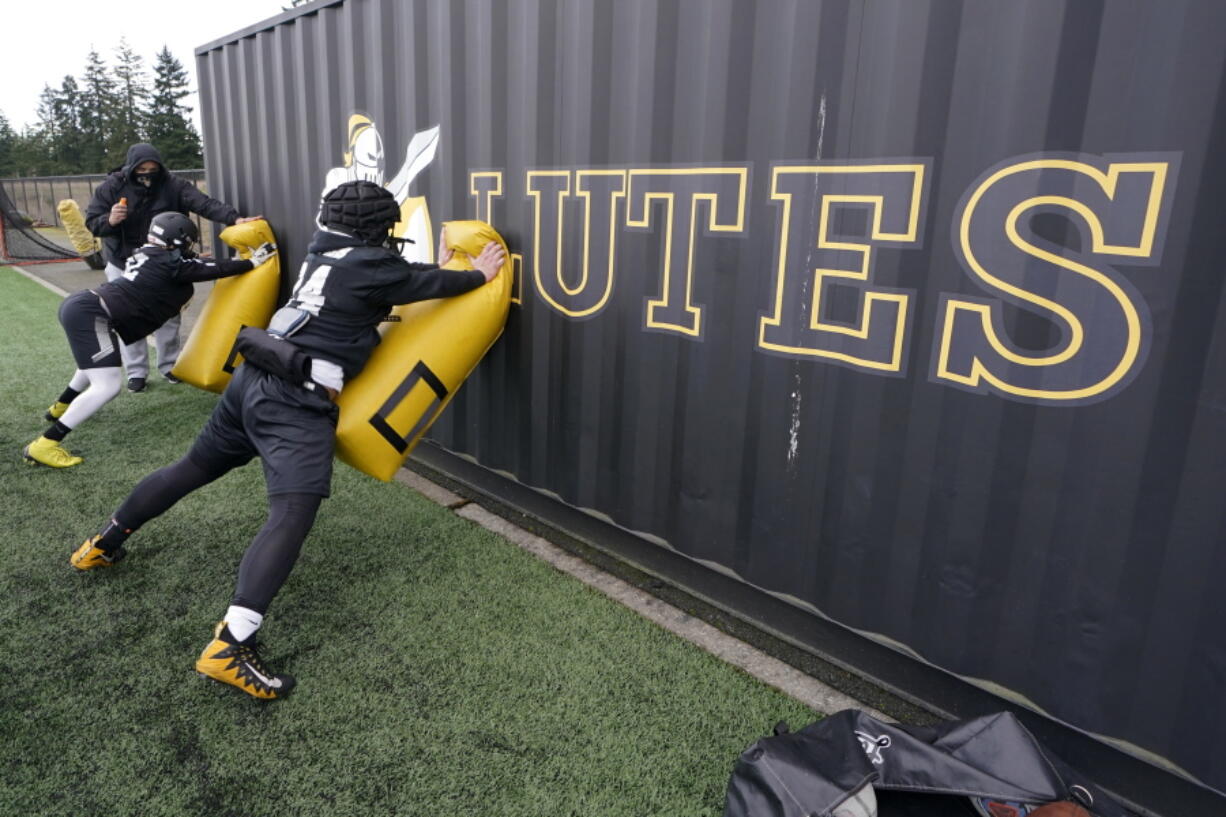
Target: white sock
[243,622]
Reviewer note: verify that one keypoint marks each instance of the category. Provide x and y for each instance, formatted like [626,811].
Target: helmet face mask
[173,231]
[396,243]
[362,209]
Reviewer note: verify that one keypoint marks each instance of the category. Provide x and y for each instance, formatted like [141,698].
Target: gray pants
[166,342]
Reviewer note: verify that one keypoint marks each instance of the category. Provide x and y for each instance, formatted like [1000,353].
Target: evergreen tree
[87,125]
[98,100]
[59,129]
[8,141]
[66,147]
[132,91]
[170,129]
[45,134]
[30,151]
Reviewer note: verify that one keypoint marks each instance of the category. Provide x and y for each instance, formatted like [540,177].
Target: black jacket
[168,192]
[349,288]
[156,284]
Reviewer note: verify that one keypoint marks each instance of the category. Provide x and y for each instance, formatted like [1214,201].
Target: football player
[157,283]
[279,407]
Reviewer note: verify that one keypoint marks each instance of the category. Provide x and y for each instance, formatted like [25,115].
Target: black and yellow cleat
[239,665]
[55,412]
[50,453]
[90,556]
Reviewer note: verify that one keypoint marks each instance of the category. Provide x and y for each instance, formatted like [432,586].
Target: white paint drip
[794,425]
[821,124]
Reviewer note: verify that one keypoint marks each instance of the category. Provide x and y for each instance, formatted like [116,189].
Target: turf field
[441,670]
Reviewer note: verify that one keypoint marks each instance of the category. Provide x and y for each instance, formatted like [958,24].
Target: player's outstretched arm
[197,270]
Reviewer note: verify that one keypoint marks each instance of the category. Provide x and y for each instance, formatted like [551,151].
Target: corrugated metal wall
[697,389]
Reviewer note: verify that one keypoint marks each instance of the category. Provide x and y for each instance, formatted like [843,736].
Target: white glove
[262,253]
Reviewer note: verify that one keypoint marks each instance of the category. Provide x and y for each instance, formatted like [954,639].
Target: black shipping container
[889,324]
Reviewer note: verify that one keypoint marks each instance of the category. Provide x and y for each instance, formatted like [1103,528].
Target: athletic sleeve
[200,204]
[194,270]
[423,282]
[98,213]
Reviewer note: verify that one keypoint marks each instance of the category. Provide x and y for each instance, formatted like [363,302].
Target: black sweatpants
[293,432]
[272,553]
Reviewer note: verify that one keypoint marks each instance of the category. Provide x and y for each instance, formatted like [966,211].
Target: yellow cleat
[55,412]
[239,665]
[49,453]
[89,555]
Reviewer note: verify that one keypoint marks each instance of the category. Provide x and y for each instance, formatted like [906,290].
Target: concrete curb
[771,671]
[36,279]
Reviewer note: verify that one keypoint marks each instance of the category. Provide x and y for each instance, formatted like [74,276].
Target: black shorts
[93,342]
[291,429]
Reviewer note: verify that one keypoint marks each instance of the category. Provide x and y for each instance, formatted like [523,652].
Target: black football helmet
[174,231]
[360,208]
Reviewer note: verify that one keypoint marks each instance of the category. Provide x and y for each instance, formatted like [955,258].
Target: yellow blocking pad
[82,239]
[422,361]
[208,358]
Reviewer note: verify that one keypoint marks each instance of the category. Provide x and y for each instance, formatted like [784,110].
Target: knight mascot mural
[364,161]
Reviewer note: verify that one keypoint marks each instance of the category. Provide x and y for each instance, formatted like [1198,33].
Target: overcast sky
[44,40]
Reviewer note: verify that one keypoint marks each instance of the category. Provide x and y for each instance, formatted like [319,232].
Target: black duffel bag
[852,765]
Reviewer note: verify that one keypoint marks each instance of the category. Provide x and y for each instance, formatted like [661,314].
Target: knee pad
[108,381]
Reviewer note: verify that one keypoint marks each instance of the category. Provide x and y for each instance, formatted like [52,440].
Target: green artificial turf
[441,670]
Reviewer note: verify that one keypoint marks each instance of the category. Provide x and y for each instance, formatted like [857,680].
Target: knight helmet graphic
[365,161]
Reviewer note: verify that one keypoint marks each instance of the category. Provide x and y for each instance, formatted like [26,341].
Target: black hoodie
[350,288]
[167,193]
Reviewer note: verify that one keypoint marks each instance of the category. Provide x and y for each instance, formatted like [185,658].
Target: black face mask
[146,179]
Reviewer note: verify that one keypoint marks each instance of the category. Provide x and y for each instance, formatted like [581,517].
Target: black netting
[20,241]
